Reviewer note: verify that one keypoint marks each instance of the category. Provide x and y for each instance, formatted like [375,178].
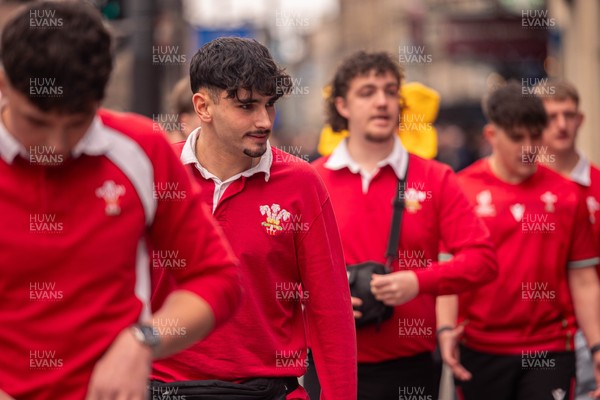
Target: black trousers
[533,375]
[414,377]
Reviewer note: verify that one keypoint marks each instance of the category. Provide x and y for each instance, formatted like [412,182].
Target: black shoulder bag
[359,275]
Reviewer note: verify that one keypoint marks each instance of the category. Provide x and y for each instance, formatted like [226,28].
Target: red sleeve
[188,248]
[329,310]
[583,251]
[465,237]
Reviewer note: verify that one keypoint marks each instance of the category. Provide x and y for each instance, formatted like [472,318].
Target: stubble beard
[379,139]
[255,153]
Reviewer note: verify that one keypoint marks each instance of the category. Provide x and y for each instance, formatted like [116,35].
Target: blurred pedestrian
[519,335]
[561,101]
[82,215]
[182,107]
[364,174]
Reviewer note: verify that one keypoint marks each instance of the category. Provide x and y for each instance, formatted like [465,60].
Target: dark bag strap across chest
[398,204]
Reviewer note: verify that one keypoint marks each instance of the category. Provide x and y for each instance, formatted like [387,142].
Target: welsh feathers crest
[274,217]
[111,192]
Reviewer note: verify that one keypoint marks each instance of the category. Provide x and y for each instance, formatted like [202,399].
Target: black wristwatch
[146,335]
[443,329]
[595,348]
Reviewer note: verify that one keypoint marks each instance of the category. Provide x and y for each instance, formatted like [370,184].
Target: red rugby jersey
[540,228]
[74,241]
[281,226]
[588,176]
[436,210]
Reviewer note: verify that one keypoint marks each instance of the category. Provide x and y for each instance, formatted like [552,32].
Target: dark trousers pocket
[255,389]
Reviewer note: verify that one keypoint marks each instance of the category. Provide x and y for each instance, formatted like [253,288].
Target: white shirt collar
[188,156]
[581,172]
[10,147]
[93,142]
[397,159]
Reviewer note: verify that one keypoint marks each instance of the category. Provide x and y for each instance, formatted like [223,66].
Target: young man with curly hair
[362,174]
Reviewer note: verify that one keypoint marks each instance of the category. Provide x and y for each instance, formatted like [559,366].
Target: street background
[460,48]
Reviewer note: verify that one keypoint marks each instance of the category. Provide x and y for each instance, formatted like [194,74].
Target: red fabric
[266,337]
[592,197]
[528,307]
[81,273]
[443,214]
[573,389]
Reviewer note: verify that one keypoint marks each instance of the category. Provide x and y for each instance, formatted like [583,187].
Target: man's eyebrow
[248,100]
[366,85]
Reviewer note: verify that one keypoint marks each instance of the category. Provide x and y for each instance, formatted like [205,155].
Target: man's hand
[4,396]
[448,340]
[596,364]
[396,288]
[123,371]
[356,302]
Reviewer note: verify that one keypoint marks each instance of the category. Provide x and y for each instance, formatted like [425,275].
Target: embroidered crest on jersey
[517,211]
[111,192]
[275,214]
[592,206]
[558,394]
[413,199]
[549,200]
[484,207]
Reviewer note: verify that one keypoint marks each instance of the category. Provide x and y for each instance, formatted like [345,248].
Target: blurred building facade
[461,48]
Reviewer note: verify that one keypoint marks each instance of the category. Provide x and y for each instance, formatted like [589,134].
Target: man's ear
[203,105]
[489,132]
[580,119]
[3,80]
[342,107]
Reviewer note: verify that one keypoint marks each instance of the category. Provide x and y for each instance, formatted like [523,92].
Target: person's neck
[564,162]
[5,119]
[502,173]
[367,153]
[214,156]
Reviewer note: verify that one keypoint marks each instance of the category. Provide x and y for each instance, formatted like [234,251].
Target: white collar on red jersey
[398,159]
[93,142]
[581,172]
[9,145]
[188,156]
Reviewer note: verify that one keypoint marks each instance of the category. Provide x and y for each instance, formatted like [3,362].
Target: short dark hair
[358,64]
[233,63]
[554,89]
[65,42]
[508,108]
[181,97]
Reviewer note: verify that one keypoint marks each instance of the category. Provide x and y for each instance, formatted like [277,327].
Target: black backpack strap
[398,206]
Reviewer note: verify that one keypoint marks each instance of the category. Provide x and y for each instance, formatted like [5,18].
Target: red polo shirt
[74,241]
[436,211]
[280,223]
[588,176]
[540,228]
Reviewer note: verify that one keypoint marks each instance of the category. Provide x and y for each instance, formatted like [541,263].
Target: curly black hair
[233,63]
[64,43]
